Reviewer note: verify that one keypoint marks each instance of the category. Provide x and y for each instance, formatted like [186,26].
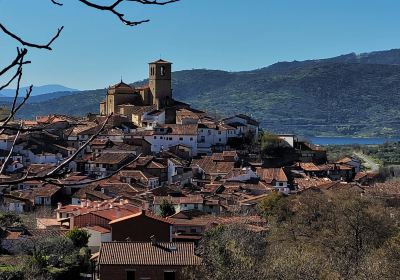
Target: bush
[79,237]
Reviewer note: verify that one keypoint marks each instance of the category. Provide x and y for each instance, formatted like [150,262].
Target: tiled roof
[345,160]
[270,174]
[98,229]
[213,167]
[145,253]
[191,199]
[161,61]
[112,158]
[142,213]
[309,166]
[181,129]
[360,175]
[113,213]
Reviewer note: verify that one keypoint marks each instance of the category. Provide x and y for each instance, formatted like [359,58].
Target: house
[140,227]
[107,164]
[98,235]
[211,167]
[14,163]
[144,260]
[138,176]
[46,195]
[244,174]
[177,172]
[247,126]
[10,203]
[163,137]
[102,217]
[338,171]
[179,203]
[354,162]
[274,176]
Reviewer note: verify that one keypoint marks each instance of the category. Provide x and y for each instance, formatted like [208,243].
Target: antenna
[121,78]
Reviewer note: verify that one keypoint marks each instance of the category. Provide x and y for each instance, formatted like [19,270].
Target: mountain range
[348,95]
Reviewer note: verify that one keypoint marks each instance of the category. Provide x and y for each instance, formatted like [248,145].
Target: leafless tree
[19,61]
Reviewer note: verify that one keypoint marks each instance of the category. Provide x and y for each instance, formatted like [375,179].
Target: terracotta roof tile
[145,253]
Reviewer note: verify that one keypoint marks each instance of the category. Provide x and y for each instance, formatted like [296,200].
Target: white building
[164,137]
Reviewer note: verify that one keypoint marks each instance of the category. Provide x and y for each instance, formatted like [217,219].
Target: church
[146,105]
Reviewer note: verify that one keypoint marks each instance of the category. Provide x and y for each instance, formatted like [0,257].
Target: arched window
[162,70]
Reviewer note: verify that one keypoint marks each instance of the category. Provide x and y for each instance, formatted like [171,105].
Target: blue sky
[95,49]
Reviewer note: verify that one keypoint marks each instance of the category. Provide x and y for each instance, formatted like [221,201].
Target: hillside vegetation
[356,95]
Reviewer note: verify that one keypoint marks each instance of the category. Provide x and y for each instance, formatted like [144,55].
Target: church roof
[161,61]
[121,85]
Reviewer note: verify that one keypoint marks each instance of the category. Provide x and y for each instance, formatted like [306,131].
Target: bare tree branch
[112,8]
[20,55]
[81,148]
[32,45]
[94,180]
[15,109]
[55,173]
[56,3]
[10,153]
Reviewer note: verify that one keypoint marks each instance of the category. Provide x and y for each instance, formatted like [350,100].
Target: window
[155,137]
[191,138]
[170,138]
[219,132]
[130,275]
[169,275]
[162,70]
[220,140]
[180,138]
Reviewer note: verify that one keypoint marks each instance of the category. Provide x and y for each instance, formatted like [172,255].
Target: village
[150,175]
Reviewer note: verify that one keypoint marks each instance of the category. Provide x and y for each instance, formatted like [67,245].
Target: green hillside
[346,95]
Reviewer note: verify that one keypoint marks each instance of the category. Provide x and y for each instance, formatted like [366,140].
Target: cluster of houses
[153,151]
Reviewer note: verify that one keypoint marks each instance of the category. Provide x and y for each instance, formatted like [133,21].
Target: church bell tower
[160,83]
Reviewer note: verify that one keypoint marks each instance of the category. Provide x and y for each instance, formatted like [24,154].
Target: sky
[96,49]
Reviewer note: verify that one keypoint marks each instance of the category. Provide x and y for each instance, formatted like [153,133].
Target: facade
[140,227]
[144,260]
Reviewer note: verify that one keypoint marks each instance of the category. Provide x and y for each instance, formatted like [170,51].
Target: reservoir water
[350,140]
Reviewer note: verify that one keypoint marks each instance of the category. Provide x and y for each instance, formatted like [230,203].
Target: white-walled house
[152,119]
[241,175]
[164,137]
[246,125]
[194,202]
[98,235]
[209,135]
[137,176]
[288,138]
[275,177]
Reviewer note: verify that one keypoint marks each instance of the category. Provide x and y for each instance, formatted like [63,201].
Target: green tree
[9,219]
[275,206]
[166,208]
[79,237]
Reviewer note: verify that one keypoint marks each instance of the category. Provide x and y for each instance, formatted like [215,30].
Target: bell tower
[160,83]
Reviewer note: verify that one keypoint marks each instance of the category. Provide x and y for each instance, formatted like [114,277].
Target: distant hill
[39,98]
[39,90]
[353,94]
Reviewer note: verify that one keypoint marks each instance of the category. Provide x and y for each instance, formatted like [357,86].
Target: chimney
[59,205]
[121,202]
[102,190]
[83,203]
